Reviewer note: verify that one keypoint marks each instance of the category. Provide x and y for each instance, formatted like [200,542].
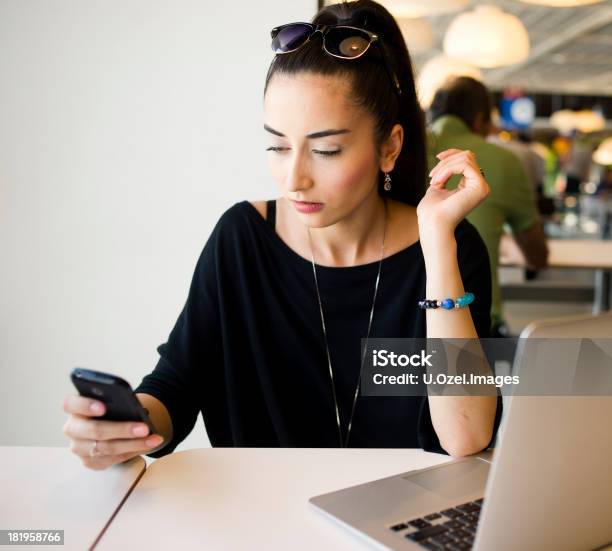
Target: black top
[248,350]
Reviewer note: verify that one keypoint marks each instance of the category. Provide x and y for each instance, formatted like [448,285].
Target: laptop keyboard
[452,529]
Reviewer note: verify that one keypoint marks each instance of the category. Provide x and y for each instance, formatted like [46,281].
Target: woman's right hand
[117,441]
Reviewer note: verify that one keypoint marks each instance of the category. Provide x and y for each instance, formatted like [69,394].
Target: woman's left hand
[441,209]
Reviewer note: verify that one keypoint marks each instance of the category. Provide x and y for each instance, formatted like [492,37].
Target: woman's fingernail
[154,441]
[96,407]
[140,430]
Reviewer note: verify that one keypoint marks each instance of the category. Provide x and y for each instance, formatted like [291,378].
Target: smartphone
[116,393]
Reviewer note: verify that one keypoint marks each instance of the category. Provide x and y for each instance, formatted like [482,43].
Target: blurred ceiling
[571,49]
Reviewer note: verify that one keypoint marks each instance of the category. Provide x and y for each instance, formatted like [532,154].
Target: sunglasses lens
[290,37]
[345,42]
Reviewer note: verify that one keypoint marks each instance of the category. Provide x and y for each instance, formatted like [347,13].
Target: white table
[46,488]
[249,498]
[586,254]
[589,254]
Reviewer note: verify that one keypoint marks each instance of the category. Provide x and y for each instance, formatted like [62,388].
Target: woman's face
[321,149]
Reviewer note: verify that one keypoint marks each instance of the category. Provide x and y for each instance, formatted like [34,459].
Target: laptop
[547,486]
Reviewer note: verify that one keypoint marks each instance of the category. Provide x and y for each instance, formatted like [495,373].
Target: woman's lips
[306,207]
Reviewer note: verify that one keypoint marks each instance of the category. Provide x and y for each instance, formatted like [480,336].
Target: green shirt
[510,202]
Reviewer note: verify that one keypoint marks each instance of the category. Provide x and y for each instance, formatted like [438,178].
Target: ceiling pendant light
[436,71]
[561,3]
[422,8]
[603,154]
[585,121]
[418,34]
[487,37]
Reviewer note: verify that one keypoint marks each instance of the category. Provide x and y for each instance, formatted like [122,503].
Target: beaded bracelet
[448,303]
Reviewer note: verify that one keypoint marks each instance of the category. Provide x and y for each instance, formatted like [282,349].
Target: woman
[268,343]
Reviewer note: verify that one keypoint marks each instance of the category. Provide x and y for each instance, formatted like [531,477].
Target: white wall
[126,128]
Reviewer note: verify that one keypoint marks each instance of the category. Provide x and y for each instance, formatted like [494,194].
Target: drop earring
[387,184]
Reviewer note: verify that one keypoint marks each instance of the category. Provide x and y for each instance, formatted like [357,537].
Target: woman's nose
[298,176]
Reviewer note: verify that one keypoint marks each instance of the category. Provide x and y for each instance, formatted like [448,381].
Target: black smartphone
[116,393]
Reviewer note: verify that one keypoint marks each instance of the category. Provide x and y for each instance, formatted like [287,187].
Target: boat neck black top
[248,351]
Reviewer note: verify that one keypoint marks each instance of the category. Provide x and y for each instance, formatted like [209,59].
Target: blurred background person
[460,116]
[520,143]
[604,187]
[577,166]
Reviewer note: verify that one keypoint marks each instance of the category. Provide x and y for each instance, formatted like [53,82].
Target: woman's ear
[391,148]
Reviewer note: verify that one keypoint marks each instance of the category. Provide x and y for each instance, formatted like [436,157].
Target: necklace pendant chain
[344,441]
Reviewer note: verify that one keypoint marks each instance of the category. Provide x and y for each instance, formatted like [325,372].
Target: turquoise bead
[465,300]
[448,304]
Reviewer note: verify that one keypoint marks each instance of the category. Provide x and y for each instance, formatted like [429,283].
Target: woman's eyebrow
[313,135]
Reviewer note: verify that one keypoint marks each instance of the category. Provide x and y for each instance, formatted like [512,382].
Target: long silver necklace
[344,442]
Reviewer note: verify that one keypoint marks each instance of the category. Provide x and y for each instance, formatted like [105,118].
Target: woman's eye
[318,152]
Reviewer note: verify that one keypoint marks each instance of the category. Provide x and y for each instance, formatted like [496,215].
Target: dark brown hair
[464,97]
[372,87]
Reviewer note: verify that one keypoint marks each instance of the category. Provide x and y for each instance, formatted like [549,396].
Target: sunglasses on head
[339,41]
